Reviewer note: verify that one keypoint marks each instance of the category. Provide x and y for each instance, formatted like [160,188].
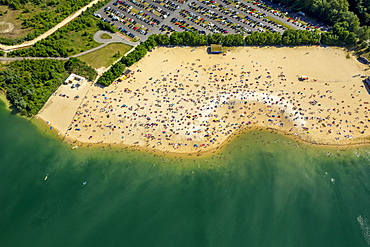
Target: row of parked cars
[252,16]
[166,28]
[185,26]
[151,7]
[199,16]
[168,4]
[121,29]
[143,16]
[117,16]
[124,31]
[201,22]
[223,20]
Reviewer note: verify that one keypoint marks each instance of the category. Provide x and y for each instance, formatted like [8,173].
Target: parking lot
[138,19]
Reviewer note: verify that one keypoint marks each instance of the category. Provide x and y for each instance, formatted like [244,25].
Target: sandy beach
[184,100]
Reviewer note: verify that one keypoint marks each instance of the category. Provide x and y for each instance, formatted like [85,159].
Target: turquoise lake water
[263,189]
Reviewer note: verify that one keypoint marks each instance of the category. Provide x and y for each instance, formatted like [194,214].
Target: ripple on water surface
[262,189]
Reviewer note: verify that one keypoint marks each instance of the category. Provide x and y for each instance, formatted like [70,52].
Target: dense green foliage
[76,66]
[29,83]
[59,43]
[54,45]
[43,21]
[116,70]
[113,73]
[134,56]
[361,9]
[338,36]
[267,38]
[331,11]
[337,12]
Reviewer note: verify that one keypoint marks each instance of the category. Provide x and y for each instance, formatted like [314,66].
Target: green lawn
[12,16]
[105,36]
[105,56]
[80,40]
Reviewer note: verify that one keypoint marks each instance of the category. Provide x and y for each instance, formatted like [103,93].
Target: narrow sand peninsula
[183,100]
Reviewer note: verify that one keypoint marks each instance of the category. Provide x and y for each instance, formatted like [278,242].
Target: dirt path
[50,31]
[10,26]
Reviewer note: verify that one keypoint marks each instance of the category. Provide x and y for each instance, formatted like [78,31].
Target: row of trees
[113,73]
[116,70]
[43,21]
[337,36]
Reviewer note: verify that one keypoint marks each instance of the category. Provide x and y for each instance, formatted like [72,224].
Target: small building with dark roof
[216,49]
[127,72]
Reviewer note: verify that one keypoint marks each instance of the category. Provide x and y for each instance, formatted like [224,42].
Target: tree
[77,66]
[29,83]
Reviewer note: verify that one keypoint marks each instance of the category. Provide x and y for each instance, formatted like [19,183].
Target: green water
[262,190]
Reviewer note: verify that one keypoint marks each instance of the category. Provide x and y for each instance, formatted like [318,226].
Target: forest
[353,15]
[28,84]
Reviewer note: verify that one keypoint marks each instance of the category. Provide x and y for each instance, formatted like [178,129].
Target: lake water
[263,189]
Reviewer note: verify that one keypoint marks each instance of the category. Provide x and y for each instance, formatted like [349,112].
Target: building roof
[127,71]
[216,48]
[73,77]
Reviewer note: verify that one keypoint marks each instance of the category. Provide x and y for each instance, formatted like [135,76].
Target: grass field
[12,16]
[105,36]
[105,56]
[80,40]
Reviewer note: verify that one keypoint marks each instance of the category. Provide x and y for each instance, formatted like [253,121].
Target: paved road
[116,38]
[228,11]
[50,31]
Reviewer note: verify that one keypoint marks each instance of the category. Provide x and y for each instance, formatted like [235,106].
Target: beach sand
[183,100]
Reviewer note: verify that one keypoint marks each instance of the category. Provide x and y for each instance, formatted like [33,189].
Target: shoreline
[185,101]
[43,127]
[5,100]
[53,133]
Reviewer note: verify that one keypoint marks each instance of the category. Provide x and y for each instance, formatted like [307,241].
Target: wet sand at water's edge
[183,100]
